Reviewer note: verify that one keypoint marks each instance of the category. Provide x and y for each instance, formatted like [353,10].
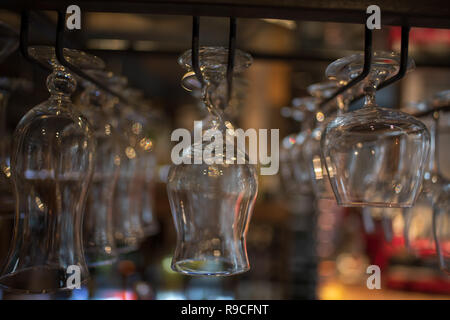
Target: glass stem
[369,92]
[209,103]
[61,84]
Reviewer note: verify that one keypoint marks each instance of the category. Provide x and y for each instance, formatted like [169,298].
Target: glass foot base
[212,267]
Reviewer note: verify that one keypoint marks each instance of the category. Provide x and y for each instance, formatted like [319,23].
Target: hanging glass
[141,137]
[374,156]
[311,154]
[98,231]
[7,202]
[128,228]
[52,164]
[212,201]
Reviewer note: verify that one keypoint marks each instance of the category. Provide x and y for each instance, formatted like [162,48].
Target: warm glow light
[7,171]
[130,152]
[331,291]
[108,44]
[117,160]
[146,144]
[317,168]
[320,116]
[136,128]
[107,129]
[39,204]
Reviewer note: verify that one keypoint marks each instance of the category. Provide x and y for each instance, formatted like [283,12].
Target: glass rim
[80,59]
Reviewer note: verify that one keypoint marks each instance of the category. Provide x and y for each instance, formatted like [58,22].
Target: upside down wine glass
[294,174]
[311,154]
[52,165]
[98,232]
[212,200]
[374,156]
[8,43]
[418,233]
[7,201]
[141,135]
[441,205]
[7,86]
[304,107]
[128,231]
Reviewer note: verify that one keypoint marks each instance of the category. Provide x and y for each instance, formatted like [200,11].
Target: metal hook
[231,56]
[231,52]
[23,44]
[195,49]
[363,74]
[403,63]
[403,59]
[62,60]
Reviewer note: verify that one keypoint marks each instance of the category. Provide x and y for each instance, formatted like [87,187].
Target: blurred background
[298,248]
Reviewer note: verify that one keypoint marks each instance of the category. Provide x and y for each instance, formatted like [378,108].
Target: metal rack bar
[364,72]
[415,13]
[231,56]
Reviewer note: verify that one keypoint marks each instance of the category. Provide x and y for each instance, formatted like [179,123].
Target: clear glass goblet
[8,86]
[294,173]
[311,146]
[287,175]
[52,162]
[305,110]
[141,136]
[441,228]
[419,238]
[212,201]
[9,41]
[422,225]
[128,228]
[439,185]
[7,201]
[98,231]
[374,156]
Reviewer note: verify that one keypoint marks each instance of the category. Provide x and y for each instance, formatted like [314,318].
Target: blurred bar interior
[299,246]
